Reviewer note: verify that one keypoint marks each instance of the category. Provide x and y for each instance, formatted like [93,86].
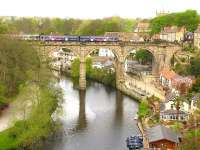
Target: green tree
[189,19]
[88,66]
[15,63]
[182,69]
[190,140]
[144,56]
[75,67]
[3,27]
[195,65]
[196,86]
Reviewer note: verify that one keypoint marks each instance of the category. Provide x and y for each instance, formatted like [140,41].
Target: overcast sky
[94,8]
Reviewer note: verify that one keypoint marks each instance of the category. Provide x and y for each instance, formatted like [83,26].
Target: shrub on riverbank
[25,134]
[104,76]
[144,109]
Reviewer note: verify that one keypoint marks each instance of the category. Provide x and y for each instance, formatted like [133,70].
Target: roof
[172,112]
[131,62]
[170,29]
[171,96]
[182,79]
[143,24]
[168,74]
[160,132]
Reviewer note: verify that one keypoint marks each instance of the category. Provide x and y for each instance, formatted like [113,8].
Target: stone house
[162,138]
[134,67]
[197,37]
[172,33]
[172,81]
[143,26]
[182,84]
[166,77]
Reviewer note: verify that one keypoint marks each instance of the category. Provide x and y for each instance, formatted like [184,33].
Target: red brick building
[162,138]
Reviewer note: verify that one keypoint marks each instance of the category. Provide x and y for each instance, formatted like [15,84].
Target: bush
[104,76]
[143,110]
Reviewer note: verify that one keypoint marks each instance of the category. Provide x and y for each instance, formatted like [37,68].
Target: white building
[97,65]
[169,111]
[172,33]
[106,52]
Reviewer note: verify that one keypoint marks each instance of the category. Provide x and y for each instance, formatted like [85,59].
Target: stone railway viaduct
[162,54]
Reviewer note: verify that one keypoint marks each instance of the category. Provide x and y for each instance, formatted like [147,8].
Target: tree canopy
[189,19]
[144,56]
[36,25]
[15,64]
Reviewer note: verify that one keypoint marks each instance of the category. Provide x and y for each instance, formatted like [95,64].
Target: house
[173,115]
[182,84]
[105,53]
[129,65]
[97,65]
[172,34]
[162,138]
[143,26]
[166,77]
[169,111]
[197,37]
[171,80]
[134,67]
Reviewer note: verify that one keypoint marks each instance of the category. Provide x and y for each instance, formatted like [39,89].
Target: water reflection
[99,118]
[119,108]
[82,120]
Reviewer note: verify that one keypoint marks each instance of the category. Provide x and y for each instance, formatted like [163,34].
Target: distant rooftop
[168,74]
[171,29]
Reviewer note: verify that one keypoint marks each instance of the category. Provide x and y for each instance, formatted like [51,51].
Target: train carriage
[67,38]
[71,38]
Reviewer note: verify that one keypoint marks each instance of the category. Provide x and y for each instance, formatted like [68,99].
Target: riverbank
[34,122]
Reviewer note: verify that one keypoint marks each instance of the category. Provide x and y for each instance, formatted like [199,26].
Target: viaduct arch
[162,53]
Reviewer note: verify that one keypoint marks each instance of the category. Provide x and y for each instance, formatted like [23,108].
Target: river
[99,118]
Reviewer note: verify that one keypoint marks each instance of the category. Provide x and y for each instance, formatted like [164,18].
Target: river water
[99,118]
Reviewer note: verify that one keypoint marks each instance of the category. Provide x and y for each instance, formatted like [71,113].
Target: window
[182,118]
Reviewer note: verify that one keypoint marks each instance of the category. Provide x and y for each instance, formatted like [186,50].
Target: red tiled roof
[168,74]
